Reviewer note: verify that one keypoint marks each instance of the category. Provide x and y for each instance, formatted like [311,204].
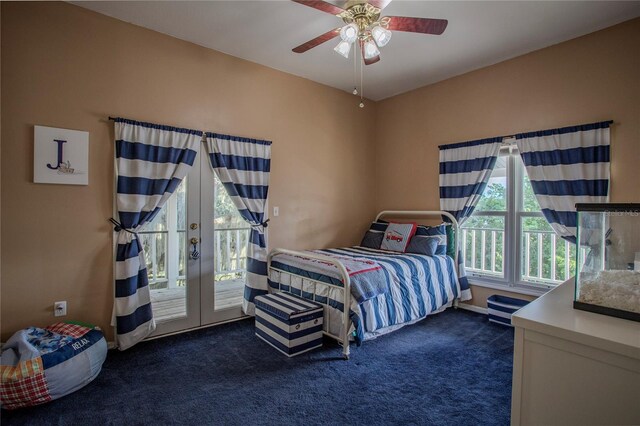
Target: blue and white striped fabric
[567,166]
[418,286]
[151,161]
[465,169]
[501,308]
[243,166]
[290,324]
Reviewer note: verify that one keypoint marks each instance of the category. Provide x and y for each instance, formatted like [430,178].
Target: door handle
[194,254]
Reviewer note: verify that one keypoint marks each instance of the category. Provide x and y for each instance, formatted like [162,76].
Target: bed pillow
[439,231]
[422,244]
[379,225]
[372,239]
[397,236]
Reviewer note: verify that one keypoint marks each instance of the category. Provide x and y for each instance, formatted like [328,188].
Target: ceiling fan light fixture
[370,50]
[349,33]
[381,35]
[343,48]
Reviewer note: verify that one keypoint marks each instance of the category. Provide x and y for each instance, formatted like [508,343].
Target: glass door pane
[230,250]
[224,251]
[174,276]
[165,253]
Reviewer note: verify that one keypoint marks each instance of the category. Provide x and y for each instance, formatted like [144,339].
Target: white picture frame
[60,156]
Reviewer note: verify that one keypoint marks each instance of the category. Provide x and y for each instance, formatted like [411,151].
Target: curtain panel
[151,161]
[243,167]
[465,169]
[566,166]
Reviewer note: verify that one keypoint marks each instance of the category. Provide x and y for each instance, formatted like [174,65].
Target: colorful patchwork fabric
[73,330]
[24,382]
[46,341]
[22,370]
[39,365]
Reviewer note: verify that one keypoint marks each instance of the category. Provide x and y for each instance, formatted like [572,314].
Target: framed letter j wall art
[60,156]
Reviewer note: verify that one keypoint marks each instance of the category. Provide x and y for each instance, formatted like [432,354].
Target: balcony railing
[545,258]
[230,256]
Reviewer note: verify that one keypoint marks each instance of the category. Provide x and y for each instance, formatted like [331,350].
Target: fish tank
[608,259]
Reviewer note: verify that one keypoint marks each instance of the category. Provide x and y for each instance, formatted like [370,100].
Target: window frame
[512,279]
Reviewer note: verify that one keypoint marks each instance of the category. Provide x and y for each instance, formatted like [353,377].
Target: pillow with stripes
[423,244]
[439,231]
[397,236]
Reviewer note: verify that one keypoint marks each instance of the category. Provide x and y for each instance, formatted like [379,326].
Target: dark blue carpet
[452,368]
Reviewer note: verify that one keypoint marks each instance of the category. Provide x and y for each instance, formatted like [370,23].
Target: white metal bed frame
[343,338]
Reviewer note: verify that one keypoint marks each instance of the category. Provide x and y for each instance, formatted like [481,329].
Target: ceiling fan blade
[380,4]
[317,41]
[321,5]
[417,25]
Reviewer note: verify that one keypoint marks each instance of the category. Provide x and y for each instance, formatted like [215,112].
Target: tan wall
[589,79]
[63,66]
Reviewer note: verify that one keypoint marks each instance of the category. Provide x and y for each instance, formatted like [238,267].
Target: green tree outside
[494,199]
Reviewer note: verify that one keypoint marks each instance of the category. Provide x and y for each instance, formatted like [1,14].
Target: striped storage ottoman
[288,323]
[500,308]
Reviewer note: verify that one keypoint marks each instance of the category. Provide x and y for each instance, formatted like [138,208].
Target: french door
[196,250]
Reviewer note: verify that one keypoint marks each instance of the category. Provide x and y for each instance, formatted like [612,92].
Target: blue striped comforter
[417,285]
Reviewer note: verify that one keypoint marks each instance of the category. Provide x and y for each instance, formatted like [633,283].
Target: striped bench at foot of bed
[288,323]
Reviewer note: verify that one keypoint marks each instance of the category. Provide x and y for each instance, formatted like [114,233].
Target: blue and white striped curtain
[465,169]
[243,166]
[151,162]
[567,166]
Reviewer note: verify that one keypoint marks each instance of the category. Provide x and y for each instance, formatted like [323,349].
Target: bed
[367,292]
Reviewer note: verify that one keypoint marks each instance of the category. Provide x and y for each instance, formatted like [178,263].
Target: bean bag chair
[39,365]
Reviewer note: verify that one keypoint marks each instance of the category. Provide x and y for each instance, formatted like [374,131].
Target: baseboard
[473,308]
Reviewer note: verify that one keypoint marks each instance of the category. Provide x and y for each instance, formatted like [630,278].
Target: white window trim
[512,280]
[479,281]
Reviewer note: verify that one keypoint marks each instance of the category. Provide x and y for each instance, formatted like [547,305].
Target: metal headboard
[420,213]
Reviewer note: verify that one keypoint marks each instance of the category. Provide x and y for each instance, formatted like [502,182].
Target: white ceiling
[480,33]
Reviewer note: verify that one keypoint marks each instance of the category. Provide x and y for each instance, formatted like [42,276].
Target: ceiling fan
[364,25]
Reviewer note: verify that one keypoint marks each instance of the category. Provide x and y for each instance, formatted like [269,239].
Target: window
[507,241]
[163,242]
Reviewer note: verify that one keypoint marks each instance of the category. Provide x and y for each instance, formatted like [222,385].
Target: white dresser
[572,367]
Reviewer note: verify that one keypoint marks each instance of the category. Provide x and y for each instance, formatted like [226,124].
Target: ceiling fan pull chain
[361,81]
[355,71]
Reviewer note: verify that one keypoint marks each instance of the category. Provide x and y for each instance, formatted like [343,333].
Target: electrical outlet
[276,211]
[60,308]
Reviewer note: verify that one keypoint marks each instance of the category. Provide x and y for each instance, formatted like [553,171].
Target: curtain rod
[230,137]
